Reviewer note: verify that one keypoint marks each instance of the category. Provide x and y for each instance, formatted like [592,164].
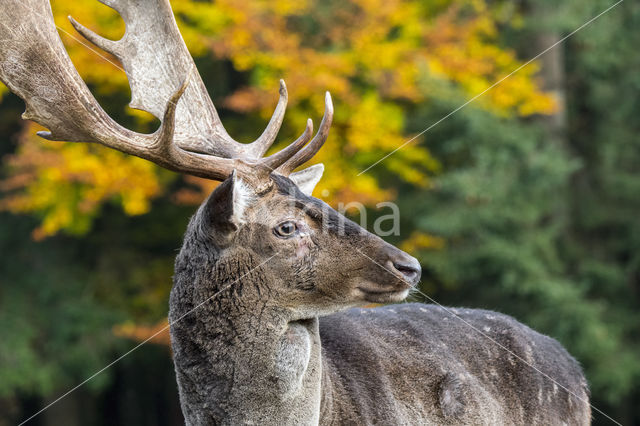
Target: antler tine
[103,43]
[264,142]
[314,146]
[276,160]
[165,139]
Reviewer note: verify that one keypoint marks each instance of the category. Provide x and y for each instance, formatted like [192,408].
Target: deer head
[262,208]
[312,259]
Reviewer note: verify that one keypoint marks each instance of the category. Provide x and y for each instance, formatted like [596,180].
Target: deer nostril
[411,271]
[402,265]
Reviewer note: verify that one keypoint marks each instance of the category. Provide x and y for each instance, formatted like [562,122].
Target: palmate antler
[164,82]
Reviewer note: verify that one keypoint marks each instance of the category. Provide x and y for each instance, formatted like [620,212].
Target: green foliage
[603,245]
[546,227]
[54,330]
[62,297]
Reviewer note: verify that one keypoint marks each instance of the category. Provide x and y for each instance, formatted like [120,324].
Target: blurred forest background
[527,201]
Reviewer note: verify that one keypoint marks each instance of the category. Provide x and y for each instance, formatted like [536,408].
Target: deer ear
[308,178]
[226,207]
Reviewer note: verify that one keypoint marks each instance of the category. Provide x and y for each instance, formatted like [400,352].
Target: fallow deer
[260,328]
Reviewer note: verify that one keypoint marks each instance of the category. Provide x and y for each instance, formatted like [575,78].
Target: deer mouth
[383,296]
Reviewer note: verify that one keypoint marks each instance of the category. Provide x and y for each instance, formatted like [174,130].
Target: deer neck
[244,361]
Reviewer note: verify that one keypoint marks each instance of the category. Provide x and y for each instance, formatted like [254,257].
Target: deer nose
[407,266]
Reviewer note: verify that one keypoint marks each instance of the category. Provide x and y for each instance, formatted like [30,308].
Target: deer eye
[285,229]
